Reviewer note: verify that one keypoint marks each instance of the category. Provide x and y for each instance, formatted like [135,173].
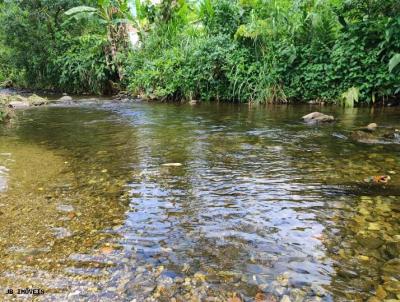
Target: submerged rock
[285,299]
[317,118]
[393,134]
[363,137]
[377,135]
[392,267]
[370,242]
[60,232]
[380,179]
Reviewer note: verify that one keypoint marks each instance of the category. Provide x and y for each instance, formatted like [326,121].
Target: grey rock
[18,104]
[318,290]
[371,127]
[61,232]
[65,208]
[297,295]
[318,118]
[65,99]
[35,100]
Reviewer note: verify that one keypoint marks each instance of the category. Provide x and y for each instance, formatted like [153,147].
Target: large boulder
[35,100]
[18,104]
[318,118]
[6,99]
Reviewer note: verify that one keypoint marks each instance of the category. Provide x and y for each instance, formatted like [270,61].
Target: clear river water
[214,202]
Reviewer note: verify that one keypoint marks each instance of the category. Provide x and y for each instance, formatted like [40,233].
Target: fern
[350,97]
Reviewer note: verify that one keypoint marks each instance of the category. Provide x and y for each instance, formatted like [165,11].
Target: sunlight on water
[251,202]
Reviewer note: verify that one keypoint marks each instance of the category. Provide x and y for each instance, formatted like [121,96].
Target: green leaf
[394,61]
[80,9]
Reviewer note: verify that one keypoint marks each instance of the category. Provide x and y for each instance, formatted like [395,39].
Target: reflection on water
[262,205]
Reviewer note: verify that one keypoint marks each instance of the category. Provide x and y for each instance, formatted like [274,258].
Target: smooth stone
[65,208]
[297,295]
[65,99]
[363,137]
[370,242]
[392,267]
[392,286]
[36,100]
[374,226]
[61,232]
[285,298]
[140,269]
[199,277]
[318,290]
[283,279]
[318,117]
[18,104]
[371,127]
[164,280]
[380,292]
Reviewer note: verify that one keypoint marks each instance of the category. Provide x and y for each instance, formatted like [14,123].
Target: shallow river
[256,206]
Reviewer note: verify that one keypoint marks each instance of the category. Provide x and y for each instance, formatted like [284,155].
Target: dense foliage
[44,47]
[272,51]
[230,50]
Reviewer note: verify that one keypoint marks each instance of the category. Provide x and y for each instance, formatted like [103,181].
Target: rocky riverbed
[106,200]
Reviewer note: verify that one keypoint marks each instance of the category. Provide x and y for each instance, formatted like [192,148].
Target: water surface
[261,204]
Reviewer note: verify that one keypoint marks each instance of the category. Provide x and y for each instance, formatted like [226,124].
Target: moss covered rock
[35,100]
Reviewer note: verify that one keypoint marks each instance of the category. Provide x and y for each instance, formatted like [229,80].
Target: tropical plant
[237,50]
[113,15]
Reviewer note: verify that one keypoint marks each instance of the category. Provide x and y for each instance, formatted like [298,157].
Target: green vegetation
[344,51]
[49,49]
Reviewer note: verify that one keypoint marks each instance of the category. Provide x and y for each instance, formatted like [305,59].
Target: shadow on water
[261,203]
